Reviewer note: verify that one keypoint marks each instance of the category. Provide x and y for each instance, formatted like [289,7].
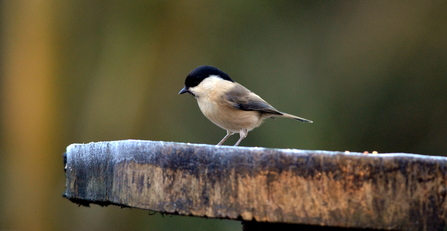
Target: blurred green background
[372,75]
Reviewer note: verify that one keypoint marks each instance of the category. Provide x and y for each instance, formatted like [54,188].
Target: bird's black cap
[200,73]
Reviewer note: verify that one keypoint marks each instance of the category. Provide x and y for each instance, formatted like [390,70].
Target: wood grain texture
[380,191]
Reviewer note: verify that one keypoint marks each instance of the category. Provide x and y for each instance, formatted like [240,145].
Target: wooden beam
[353,190]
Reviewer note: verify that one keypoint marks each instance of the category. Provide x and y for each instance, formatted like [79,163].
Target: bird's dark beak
[184,90]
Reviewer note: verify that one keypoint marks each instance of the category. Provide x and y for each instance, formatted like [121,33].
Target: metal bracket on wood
[352,190]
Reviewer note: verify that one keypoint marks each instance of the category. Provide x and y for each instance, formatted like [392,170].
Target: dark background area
[372,75]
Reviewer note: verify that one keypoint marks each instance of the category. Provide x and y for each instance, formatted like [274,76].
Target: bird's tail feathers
[285,115]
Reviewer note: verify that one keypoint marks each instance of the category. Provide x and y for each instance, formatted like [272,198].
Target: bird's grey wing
[241,98]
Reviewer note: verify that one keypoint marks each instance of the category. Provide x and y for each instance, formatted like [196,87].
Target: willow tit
[228,104]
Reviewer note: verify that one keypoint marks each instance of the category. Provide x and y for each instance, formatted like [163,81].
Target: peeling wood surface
[376,191]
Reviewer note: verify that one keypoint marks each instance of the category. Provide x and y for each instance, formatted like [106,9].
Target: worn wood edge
[242,149]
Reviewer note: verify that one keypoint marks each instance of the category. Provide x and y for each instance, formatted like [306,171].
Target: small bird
[228,104]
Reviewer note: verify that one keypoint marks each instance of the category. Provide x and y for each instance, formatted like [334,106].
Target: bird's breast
[227,117]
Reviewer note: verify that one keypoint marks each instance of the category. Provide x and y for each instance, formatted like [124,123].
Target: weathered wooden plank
[382,191]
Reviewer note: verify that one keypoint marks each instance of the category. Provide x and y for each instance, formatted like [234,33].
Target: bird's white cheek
[197,91]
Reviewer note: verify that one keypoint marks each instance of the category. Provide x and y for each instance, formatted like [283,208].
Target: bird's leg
[243,133]
[225,138]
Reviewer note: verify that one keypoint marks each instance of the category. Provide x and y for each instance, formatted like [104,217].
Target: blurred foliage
[372,75]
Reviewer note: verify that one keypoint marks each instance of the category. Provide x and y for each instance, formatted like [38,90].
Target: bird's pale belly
[230,119]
